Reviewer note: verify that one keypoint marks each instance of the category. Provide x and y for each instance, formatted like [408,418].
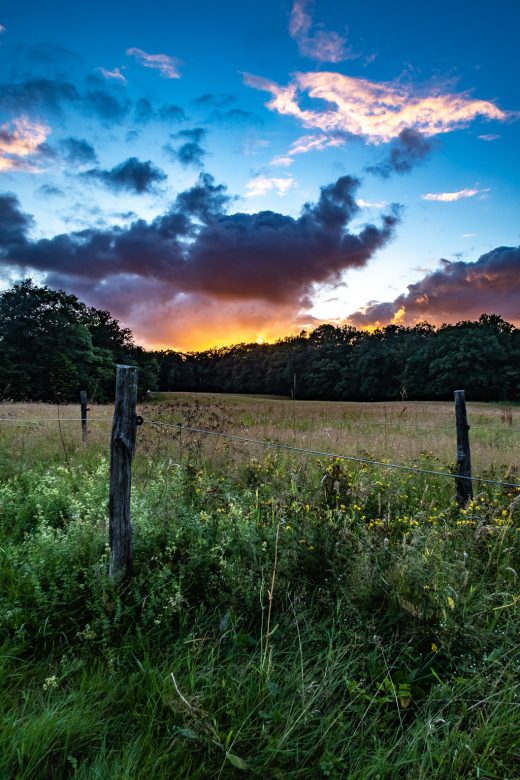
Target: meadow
[289,615]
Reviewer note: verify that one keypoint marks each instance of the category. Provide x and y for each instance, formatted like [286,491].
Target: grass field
[289,616]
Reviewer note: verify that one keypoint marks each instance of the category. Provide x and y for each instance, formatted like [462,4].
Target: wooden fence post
[121,453]
[84,411]
[464,486]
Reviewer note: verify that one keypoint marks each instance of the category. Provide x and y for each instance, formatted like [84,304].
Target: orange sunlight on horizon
[201,336]
[199,339]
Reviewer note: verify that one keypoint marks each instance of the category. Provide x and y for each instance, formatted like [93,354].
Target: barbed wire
[325,454]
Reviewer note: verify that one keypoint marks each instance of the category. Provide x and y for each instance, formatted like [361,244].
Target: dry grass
[400,432]
[394,430]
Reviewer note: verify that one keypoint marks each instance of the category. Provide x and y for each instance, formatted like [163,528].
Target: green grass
[286,619]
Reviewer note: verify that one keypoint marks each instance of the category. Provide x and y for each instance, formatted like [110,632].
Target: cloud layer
[458,290]
[236,263]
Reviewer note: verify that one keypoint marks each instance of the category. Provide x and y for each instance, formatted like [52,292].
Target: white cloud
[261,185]
[371,204]
[450,197]
[167,66]
[307,143]
[113,74]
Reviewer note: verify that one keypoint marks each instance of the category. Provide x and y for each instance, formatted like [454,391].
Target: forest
[53,345]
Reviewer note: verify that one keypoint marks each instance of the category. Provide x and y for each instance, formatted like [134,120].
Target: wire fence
[373,462]
[334,455]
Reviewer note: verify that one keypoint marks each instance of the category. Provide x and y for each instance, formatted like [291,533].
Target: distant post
[464,486]
[122,447]
[84,411]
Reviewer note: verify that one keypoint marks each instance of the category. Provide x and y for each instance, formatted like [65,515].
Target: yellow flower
[434,647]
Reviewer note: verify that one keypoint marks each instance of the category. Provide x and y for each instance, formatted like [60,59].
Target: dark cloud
[409,150]
[171,113]
[77,150]
[131,175]
[195,134]
[36,95]
[212,100]
[14,225]
[51,95]
[234,116]
[145,111]
[278,258]
[206,201]
[458,290]
[49,191]
[190,152]
[20,59]
[74,151]
[105,105]
[46,153]
[267,255]
[125,215]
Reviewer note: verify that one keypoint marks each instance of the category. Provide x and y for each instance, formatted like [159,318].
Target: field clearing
[401,432]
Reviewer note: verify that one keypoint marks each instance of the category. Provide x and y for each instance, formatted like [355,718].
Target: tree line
[52,345]
[342,363]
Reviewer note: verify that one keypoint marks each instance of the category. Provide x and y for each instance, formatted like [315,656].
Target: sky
[216,173]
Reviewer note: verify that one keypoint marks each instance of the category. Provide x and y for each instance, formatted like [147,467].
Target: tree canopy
[52,345]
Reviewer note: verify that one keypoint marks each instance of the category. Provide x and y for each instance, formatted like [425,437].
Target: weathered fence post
[84,410]
[121,453]
[464,486]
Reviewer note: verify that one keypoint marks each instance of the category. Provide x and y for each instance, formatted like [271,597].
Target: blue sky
[118,120]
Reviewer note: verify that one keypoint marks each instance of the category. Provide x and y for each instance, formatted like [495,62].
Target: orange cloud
[378,112]
[19,141]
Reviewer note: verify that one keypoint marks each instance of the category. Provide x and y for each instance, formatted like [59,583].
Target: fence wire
[325,454]
[89,420]
[277,445]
